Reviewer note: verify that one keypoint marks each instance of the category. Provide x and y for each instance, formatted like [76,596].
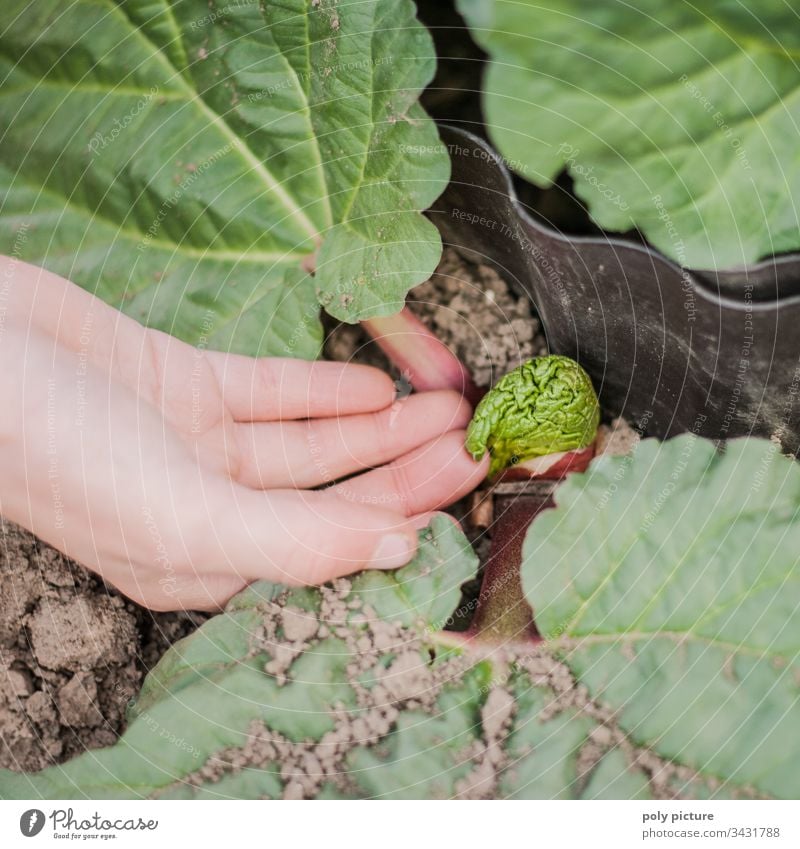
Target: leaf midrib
[214,119]
[246,254]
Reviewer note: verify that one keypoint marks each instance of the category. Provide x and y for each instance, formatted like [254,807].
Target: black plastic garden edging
[673,350]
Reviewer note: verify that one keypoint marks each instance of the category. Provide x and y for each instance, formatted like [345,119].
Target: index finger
[279,388]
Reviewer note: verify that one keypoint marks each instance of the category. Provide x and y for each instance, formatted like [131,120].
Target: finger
[429,478]
[275,388]
[211,592]
[181,592]
[157,365]
[300,538]
[307,454]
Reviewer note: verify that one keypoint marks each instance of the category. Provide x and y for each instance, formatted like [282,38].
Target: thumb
[295,537]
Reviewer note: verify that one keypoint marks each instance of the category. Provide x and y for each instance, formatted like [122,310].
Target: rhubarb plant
[543,407]
[666,594]
[674,118]
[194,163]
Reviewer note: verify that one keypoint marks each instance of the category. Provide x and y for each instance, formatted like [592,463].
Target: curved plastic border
[673,350]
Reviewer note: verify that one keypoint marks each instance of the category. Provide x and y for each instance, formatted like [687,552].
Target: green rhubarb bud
[547,404]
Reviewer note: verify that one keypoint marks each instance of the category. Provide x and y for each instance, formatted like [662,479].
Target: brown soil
[616,439]
[73,653]
[472,310]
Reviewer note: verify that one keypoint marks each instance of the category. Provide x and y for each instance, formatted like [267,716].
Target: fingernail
[393,551]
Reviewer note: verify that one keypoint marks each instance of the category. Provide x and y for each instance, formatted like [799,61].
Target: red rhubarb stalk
[503,612]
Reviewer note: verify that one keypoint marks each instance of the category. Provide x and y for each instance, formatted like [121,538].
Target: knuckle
[458,411]
[382,439]
[266,384]
[310,566]
[400,486]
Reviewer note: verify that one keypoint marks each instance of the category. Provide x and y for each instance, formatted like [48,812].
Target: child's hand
[174,473]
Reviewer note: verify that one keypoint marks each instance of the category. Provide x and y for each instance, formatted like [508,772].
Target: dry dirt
[616,439]
[72,654]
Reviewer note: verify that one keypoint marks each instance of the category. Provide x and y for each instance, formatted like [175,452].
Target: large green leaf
[186,161]
[670,583]
[678,118]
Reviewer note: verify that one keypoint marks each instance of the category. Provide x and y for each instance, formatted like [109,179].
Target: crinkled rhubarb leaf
[544,406]
[669,582]
[185,160]
[676,118]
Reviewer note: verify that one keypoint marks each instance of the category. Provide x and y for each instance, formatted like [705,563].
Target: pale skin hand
[177,473]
